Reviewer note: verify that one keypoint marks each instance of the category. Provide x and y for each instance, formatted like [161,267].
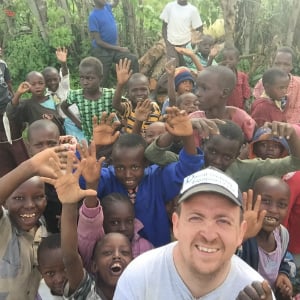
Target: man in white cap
[209,226]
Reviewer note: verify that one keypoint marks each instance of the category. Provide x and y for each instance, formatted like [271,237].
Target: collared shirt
[129,116]
[19,276]
[89,108]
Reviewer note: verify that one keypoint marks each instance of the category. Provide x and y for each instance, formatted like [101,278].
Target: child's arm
[65,108]
[69,193]
[213,53]
[190,53]
[170,69]
[123,74]
[61,55]
[90,222]
[36,165]
[179,124]
[142,111]
[284,285]
[285,130]
[23,88]
[105,132]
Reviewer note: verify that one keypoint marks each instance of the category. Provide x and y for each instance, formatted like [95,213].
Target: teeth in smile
[270,219]
[27,216]
[208,250]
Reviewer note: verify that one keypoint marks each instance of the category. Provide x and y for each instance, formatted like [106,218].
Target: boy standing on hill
[104,33]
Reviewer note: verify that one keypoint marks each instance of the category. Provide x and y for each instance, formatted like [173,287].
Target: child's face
[120,218]
[112,257]
[89,80]
[52,80]
[37,85]
[185,86]
[268,149]
[204,46]
[52,269]
[208,91]
[153,131]
[189,103]
[220,152]
[278,89]
[138,90]
[27,203]
[129,164]
[41,140]
[274,199]
[284,61]
[230,59]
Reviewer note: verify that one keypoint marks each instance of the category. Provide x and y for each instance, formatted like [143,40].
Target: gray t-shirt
[153,275]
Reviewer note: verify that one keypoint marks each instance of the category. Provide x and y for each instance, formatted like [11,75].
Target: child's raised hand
[24,87]
[284,285]
[280,129]
[105,132]
[123,70]
[92,167]
[184,51]
[214,51]
[170,66]
[67,183]
[252,214]
[62,54]
[256,291]
[143,110]
[178,122]
[40,161]
[206,127]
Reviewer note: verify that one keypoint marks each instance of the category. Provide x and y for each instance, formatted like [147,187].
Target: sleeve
[246,88]
[258,113]
[65,80]
[6,74]
[155,114]
[174,174]
[89,231]
[160,156]
[258,89]
[196,20]
[93,23]
[164,16]
[127,106]
[247,123]
[83,291]
[71,98]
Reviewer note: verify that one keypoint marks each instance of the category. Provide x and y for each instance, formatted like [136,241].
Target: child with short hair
[24,198]
[153,131]
[91,99]
[113,213]
[153,186]
[266,251]
[284,59]
[138,92]
[111,254]
[188,102]
[270,106]
[58,85]
[52,268]
[180,81]
[204,51]
[264,145]
[37,107]
[241,91]
[213,89]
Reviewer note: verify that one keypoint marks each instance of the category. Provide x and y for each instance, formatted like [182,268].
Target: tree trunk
[39,10]
[292,23]
[228,8]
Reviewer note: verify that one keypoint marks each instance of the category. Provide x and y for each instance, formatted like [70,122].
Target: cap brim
[207,187]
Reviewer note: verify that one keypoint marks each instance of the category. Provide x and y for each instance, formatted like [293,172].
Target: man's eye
[18,198]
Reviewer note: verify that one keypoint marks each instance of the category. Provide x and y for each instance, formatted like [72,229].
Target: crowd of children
[71,232]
